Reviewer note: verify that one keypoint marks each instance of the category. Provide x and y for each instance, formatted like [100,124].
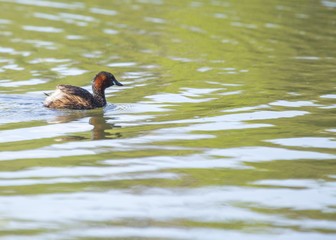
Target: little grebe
[71,97]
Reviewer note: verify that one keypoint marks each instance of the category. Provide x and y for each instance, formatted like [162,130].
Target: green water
[224,129]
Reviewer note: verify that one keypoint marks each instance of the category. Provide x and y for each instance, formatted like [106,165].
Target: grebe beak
[117,83]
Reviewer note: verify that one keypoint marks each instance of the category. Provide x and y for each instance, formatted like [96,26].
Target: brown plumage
[72,97]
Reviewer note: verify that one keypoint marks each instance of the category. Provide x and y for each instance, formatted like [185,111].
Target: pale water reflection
[224,128]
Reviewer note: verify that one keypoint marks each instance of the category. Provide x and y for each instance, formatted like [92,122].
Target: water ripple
[43,29]
[307,142]
[52,4]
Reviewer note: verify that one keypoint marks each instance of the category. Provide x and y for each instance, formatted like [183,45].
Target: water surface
[225,128]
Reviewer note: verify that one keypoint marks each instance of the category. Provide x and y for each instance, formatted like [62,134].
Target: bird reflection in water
[102,129]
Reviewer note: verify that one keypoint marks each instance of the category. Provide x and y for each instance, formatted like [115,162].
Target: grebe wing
[71,97]
[73,90]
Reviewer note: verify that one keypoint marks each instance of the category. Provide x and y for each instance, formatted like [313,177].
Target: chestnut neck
[98,96]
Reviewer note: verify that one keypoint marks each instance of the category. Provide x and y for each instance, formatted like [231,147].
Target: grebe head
[104,80]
